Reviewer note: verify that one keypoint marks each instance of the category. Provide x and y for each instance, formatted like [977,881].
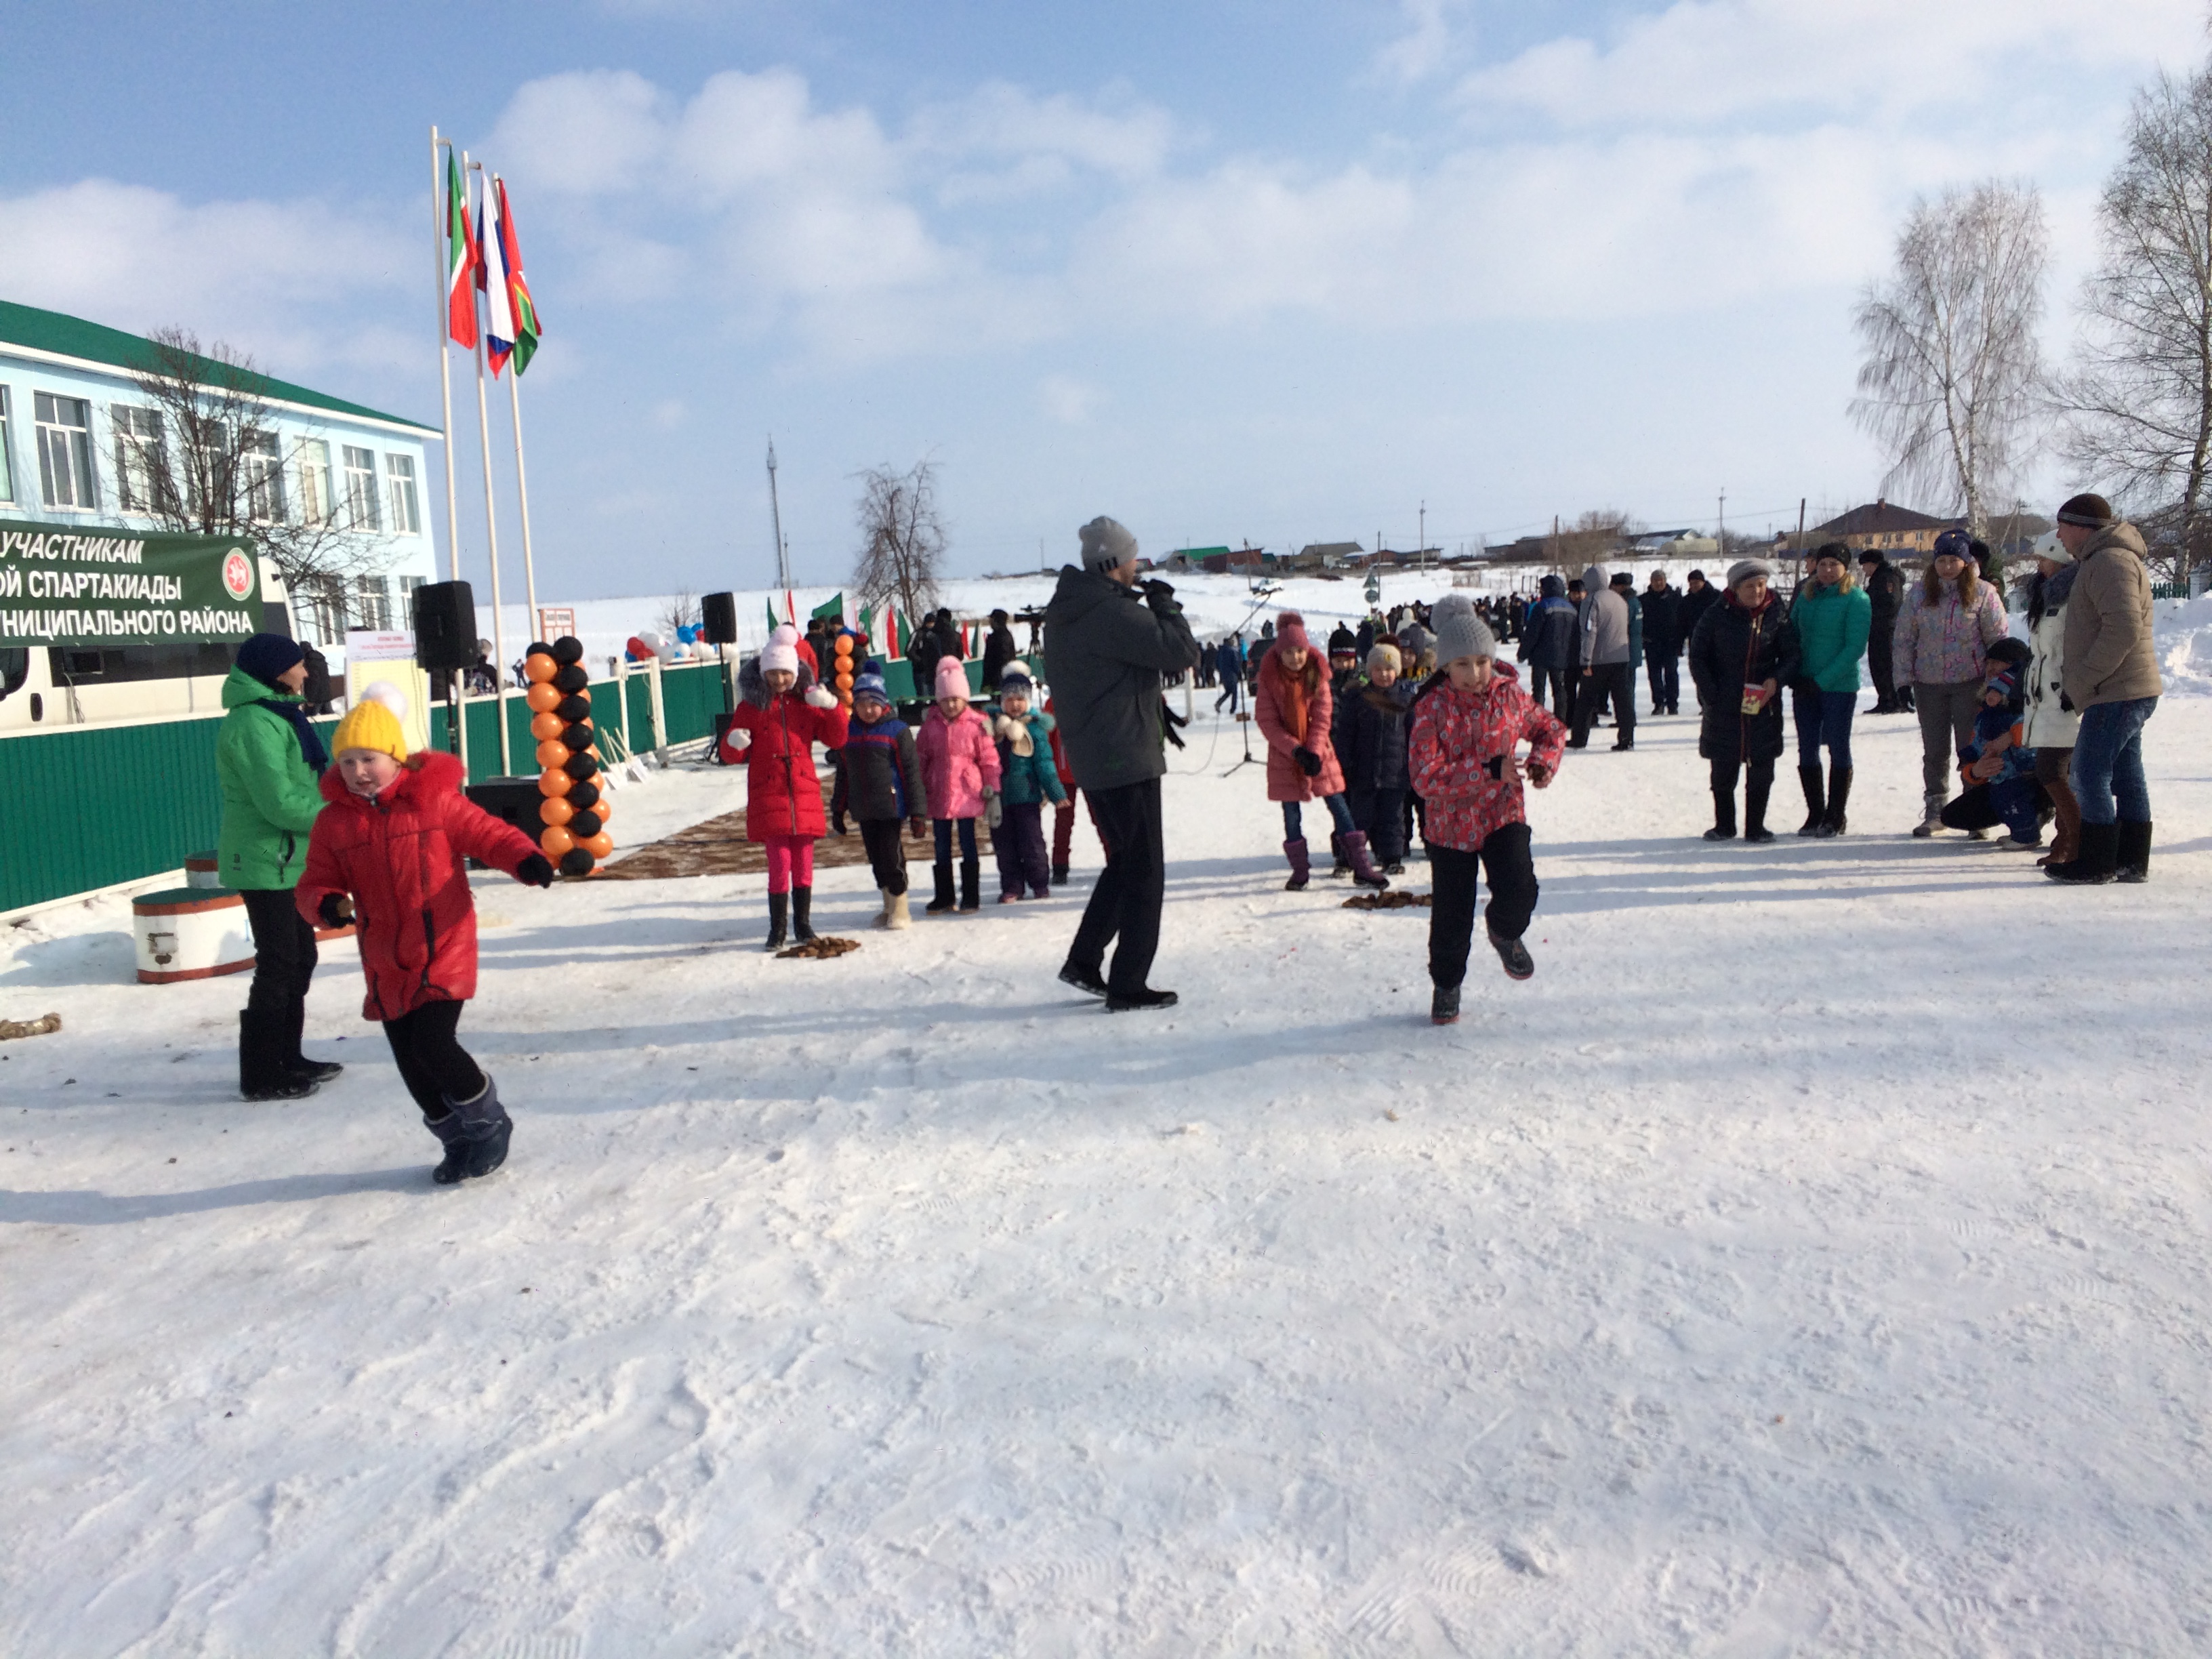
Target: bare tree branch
[902,539]
[1952,369]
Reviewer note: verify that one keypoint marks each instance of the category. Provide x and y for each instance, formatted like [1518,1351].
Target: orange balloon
[547,725]
[844,679]
[604,807]
[599,845]
[583,691]
[554,841]
[552,753]
[543,699]
[553,783]
[539,669]
[552,812]
[845,699]
[844,644]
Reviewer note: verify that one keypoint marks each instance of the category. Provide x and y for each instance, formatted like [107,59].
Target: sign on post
[555,622]
[70,584]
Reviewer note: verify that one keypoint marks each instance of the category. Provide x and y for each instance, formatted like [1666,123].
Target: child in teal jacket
[1027,778]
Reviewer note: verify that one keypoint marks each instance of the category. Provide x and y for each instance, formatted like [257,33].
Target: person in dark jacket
[1742,654]
[1699,596]
[999,649]
[1663,644]
[1370,740]
[1228,668]
[1547,646]
[879,785]
[1884,585]
[1107,649]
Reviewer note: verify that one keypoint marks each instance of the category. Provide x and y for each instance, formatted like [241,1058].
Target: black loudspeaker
[445,626]
[718,611]
[511,800]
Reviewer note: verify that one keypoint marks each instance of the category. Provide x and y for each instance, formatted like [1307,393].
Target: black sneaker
[1519,964]
[1396,867]
[1443,1005]
[291,1086]
[1718,834]
[315,1071]
[1085,980]
[1126,1002]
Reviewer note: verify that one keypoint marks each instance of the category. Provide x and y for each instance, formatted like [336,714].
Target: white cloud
[1425,48]
[1067,401]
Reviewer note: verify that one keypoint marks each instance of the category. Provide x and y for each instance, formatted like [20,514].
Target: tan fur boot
[895,915]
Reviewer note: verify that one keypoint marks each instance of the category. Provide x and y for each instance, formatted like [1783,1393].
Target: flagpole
[440,249]
[522,488]
[491,525]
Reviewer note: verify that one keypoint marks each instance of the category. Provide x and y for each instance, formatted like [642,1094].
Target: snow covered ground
[1812,1259]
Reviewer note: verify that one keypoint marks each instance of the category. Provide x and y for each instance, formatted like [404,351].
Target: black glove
[838,823]
[335,909]
[1160,596]
[2066,702]
[536,869]
[1308,763]
[1495,766]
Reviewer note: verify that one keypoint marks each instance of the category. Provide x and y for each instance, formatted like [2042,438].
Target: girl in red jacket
[781,714]
[393,837]
[1468,722]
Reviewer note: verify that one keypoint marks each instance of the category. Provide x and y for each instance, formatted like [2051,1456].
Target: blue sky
[1278,272]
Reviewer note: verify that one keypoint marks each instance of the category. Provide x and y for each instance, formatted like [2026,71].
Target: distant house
[1883,525]
[1674,544]
[1196,558]
[1322,556]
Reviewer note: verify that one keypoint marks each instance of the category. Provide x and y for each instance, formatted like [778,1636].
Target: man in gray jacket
[1106,649]
[2110,670]
[1607,674]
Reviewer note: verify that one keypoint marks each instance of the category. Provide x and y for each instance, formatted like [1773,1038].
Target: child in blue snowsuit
[1998,772]
[1027,778]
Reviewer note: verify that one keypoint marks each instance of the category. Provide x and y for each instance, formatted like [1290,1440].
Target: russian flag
[491,277]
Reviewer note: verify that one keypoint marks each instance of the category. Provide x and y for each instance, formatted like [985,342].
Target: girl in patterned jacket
[1467,724]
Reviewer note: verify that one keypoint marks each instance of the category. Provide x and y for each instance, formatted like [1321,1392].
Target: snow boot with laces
[1364,872]
[1931,817]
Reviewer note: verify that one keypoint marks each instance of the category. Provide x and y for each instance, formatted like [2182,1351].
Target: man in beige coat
[2112,678]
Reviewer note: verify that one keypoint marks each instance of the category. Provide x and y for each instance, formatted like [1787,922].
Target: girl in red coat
[781,714]
[1293,707]
[1468,722]
[393,837]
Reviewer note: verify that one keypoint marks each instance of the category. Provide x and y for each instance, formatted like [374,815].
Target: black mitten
[536,869]
[335,909]
[1308,763]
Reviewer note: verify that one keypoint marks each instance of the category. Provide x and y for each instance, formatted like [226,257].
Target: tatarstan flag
[491,277]
[519,305]
[461,260]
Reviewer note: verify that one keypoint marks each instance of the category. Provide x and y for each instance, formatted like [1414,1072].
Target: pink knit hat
[1291,632]
[781,651]
[951,679]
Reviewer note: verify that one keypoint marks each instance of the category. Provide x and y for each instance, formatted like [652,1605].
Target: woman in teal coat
[269,763]
[1832,617]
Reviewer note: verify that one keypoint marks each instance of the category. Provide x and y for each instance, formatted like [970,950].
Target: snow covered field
[1812,1259]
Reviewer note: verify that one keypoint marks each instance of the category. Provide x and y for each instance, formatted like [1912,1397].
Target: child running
[1029,780]
[782,714]
[387,852]
[1467,724]
[880,784]
[960,769]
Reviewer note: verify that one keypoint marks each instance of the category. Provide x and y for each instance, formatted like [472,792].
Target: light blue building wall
[74,423]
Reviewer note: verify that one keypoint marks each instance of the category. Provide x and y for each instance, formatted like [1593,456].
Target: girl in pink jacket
[960,772]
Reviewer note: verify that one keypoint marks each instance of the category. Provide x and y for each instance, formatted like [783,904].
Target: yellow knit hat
[369,725]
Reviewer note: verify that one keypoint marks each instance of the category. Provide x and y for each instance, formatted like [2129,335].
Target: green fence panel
[92,807]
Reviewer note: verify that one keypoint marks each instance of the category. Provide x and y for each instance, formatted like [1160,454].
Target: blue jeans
[1824,717]
[2108,775]
[1340,814]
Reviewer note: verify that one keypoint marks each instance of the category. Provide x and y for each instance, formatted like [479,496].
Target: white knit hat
[781,651]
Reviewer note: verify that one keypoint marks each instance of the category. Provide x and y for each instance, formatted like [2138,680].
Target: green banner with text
[73,584]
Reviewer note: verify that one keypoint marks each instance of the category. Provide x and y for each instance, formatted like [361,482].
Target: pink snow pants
[790,859]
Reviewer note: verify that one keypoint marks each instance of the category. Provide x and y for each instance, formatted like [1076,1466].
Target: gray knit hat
[1743,567]
[1106,544]
[1460,632]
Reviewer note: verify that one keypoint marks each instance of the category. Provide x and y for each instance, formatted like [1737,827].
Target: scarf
[311,746]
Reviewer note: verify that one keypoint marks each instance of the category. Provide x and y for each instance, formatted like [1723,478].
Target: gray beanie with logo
[1460,632]
[1106,544]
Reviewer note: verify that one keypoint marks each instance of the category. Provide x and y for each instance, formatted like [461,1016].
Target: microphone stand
[1261,596]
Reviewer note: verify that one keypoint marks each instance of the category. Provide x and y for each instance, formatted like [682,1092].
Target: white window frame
[138,468]
[261,475]
[406,504]
[319,504]
[371,602]
[364,512]
[57,439]
[7,450]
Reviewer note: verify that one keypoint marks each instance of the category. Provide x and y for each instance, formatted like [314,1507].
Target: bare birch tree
[204,456]
[1952,370]
[902,538]
[2139,401]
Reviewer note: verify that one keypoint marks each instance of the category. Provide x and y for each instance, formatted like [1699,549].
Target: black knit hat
[2089,512]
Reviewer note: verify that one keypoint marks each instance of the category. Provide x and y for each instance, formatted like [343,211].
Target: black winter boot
[1060,875]
[2094,863]
[295,1021]
[779,910]
[1755,808]
[802,920]
[1723,815]
[1443,1005]
[971,881]
[943,900]
[1839,795]
[1519,964]
[1816,809]
[262,1073]
[476,1132]
[2132,862]
[1342,866]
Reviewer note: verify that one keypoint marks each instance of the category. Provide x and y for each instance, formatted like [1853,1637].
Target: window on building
[139,473]
[7,449]
[371,603]
[317,504]
[406,511]
[319,610]
[361,511]
[64,437]
[261,461]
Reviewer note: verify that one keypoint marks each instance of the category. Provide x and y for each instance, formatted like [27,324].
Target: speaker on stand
[446,643]
[718,615]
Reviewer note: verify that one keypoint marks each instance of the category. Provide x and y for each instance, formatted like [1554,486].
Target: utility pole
[1721,535]
[1421,543]
[775,514]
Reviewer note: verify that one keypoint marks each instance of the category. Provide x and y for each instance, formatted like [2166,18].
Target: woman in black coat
[1744,651]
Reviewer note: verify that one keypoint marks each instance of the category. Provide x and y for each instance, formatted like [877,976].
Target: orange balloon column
[841,670]
[574,813]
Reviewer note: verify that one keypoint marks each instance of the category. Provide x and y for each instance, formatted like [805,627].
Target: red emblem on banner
[237,573]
